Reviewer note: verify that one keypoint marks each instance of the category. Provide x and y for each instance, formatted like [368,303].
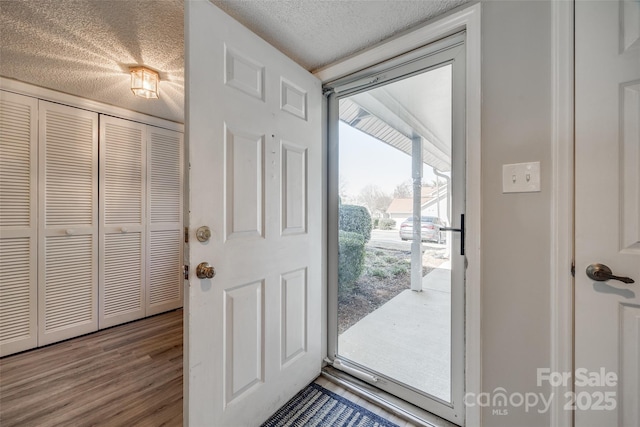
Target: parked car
[430,226]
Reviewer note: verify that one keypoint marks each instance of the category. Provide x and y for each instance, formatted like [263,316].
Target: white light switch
[521,177]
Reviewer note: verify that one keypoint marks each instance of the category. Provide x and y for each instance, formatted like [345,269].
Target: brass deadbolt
[203,234]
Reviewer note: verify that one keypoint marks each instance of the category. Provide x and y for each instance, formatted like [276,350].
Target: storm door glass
[400,180]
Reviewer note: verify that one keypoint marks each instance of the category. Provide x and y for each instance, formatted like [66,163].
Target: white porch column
[416,243]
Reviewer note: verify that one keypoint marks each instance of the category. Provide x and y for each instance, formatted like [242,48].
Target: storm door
[396,226]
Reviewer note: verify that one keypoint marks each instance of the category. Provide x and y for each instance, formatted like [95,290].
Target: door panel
[244,332]
[18,222]
[254,123]
[293,315]
[164,284]
[244,183]
[607,207]
[164,228]
[122,220]
[630,364]
[68,222]
[293,188]
[122,279]
[244,74]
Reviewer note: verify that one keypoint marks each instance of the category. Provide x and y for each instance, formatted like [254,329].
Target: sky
[365,160]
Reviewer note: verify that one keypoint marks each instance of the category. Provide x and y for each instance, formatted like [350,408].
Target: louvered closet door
[18,222]
[122,217]
[164,244]
[68,222]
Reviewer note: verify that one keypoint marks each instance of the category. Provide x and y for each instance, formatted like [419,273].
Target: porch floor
[408,338]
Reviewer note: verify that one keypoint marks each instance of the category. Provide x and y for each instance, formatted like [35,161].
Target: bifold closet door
[164,229]
[122,221]
[68,222]
[18,222]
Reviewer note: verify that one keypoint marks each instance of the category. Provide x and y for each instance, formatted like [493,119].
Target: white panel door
[122,220]
[607,324]
[254,126]
[68,222]
[18,222]
[164,224]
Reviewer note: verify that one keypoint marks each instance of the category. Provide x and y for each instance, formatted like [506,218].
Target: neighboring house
[399,209]
[431,205]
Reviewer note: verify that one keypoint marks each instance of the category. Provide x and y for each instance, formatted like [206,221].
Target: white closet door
[68,222]
[122,218]
[18,222]
[165,232]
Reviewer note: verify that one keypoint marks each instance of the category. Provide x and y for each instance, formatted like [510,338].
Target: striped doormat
[316,406]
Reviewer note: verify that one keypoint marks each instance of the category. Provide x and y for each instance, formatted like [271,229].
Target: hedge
[387,224]
[350,258]
[355,219]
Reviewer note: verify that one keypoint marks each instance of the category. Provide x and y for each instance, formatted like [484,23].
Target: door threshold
[390,403]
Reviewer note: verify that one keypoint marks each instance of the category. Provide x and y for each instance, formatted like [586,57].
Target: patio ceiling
[397,112]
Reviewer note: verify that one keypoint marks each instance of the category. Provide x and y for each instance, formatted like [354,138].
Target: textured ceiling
[315,33]
[85,47]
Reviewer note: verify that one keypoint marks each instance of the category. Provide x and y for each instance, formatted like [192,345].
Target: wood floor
[129,375]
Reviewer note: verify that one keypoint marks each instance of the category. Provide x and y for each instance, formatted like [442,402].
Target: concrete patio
[409,337]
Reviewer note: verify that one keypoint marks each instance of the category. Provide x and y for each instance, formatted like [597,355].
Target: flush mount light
[144,82]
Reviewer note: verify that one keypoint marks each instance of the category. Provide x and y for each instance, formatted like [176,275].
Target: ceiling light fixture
[144,82]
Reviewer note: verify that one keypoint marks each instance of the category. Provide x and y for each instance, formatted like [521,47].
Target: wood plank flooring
[123,376]
[128,375]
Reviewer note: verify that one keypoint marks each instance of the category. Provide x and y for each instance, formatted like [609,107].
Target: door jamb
[562,203]
[466,18]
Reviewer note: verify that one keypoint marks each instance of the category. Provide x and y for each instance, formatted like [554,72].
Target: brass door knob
[205,271]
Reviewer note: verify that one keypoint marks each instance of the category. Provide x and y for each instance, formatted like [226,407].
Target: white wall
[516,127]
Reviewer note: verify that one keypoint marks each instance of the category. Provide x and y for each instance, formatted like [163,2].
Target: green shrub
[397,270]
[355,219]
[379,272]
[350,258]
[387,224]
[376,222]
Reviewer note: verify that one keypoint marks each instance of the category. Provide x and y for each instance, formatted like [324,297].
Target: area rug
[316,406]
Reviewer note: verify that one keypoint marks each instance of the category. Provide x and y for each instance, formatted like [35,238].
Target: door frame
[466,18]
[561,240]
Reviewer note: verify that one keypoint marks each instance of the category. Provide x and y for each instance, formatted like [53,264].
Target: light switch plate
[521,177]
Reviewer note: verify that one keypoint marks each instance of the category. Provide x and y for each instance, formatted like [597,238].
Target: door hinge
[185,270]
[186,234]
[573,269]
